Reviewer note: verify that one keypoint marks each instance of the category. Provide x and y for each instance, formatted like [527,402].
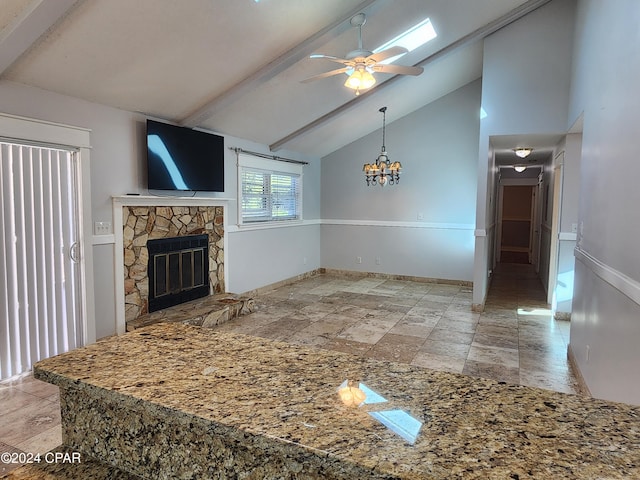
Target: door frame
[535,219]
[556,213]
[23,129]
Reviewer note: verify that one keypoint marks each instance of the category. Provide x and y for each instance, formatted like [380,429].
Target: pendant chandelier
[383,171]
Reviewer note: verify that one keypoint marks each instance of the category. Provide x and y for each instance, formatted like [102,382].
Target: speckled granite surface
[176,401]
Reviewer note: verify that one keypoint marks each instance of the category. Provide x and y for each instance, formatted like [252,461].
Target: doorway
[46,288]
[516,223]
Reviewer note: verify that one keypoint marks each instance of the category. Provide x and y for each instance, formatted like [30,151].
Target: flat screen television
[179,158]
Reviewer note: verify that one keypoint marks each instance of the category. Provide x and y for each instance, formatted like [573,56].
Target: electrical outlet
[102,228]
[304,260]
[377,260]
[420,216]
[358,259]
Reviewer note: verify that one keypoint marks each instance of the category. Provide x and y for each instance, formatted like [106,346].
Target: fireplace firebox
[178,270]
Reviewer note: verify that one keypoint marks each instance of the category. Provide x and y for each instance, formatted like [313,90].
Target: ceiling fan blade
[326,74]
[344,61]
[398,69]
[388,53]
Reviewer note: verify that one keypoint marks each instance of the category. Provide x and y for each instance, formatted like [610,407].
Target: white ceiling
[235,67]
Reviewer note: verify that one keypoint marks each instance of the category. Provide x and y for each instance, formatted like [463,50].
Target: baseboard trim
[477,307]
[354,274]
[282,283]
[391,276]
[583,389]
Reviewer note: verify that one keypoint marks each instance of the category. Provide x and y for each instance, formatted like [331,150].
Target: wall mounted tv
[179,158]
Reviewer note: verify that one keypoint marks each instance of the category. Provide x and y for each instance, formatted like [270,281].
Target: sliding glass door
[40,275]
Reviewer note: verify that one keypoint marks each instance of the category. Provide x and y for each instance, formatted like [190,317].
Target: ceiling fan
[360,64]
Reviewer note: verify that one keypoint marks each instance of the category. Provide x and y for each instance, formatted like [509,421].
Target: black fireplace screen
[178,270]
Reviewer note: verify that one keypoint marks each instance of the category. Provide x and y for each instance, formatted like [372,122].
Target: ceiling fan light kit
[360,79]
[361,64]
[383,171]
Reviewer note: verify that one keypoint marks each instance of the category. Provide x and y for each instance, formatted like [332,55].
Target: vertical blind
[39,286]
[270,191]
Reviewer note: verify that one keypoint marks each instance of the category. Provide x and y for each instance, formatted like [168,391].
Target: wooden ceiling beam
[273,68]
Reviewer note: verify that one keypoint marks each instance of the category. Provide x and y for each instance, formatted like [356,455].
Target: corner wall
[424,225]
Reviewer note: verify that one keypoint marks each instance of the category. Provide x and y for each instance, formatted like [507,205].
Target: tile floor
[29,418]
[514,340]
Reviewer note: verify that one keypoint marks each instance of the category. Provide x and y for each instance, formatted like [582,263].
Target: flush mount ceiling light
[383,171]
[519,168]
[523,152]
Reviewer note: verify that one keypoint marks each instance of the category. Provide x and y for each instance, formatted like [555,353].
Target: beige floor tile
[504,322]
[456,325]
[558,382]
[37,387]
[450,336]
[20,425]
[485,340]
[506,357]
[12,399]
[497,330]
[419,330]
[460,315]
[281,329]
[42,442]
[435,361]
[439,347]
[396,348]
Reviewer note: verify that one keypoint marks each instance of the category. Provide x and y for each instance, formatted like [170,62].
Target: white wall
[424,225]
[118,168]
[114,145]
[606,310]
[263,256]
[525,90]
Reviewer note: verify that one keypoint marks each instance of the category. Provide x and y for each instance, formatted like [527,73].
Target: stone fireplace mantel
[150,201]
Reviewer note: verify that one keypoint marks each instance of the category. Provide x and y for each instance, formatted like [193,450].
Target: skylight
[411,39]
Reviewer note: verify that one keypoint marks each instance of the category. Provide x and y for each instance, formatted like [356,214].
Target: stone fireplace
[142,224]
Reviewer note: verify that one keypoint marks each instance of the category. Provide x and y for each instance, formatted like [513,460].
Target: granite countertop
[472,428]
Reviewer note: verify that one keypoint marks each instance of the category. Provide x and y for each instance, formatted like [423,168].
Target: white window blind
[39,251]
[269,190]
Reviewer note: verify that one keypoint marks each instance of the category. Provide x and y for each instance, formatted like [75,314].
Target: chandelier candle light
[383,171]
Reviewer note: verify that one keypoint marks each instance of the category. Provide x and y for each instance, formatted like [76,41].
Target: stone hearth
[204,312]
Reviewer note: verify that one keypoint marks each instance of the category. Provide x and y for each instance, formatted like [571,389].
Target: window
[411,39]
[269,190]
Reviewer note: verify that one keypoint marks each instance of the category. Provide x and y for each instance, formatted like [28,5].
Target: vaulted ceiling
[235,67]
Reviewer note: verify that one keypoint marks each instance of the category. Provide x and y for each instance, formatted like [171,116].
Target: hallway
[516,295]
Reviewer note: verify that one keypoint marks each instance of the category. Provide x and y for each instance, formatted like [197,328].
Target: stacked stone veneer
[141,223]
